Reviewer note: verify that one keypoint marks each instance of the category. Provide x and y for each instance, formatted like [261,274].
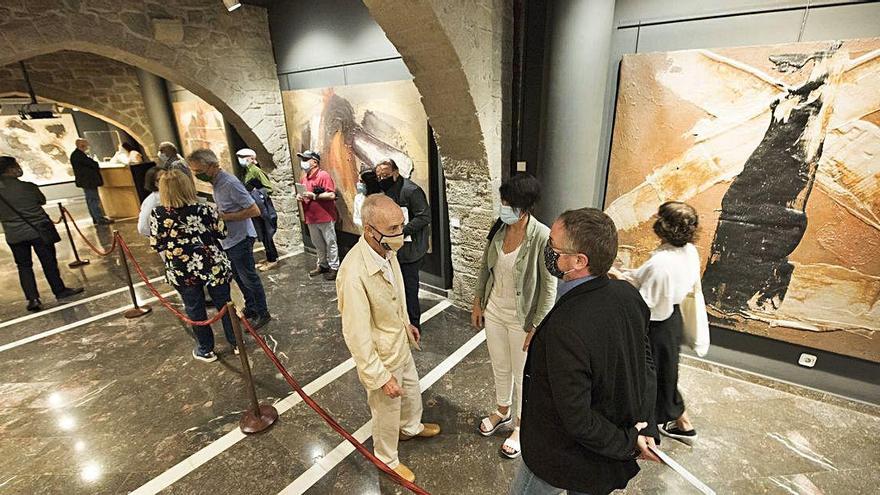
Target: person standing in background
[27,227]
[367,184]
[236,207]
[134,156]
[260,187]
[319,207]
[151,183]
[411,198]
[87,175]
[169,158]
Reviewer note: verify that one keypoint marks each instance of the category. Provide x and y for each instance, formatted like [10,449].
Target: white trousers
[392,417]
[505,341]
[323,236]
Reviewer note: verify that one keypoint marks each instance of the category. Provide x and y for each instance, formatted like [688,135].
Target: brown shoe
[405,473]
[318,271]
[330,275]
[429,430]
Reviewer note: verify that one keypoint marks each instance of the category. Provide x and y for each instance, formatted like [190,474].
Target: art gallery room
[296,246]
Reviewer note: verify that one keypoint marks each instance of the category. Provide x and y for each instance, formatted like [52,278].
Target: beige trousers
[392,417]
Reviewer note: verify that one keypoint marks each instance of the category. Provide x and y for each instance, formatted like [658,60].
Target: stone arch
[144,137]
[453,50]
[224,59]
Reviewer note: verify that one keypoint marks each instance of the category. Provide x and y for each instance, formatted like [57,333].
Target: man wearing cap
[319,208]
[260,187]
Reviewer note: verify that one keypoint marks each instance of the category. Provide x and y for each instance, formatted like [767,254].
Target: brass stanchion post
[258,417]
[137,310]
[78,262]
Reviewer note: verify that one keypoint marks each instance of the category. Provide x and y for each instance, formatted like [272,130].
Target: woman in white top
[134,156]
[514,293]
[367,184]
[151,183]
[664,281]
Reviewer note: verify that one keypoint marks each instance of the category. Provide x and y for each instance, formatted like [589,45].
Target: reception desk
[118,194]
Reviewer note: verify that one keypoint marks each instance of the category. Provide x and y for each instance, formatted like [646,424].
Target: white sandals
[486,429]
[511,444]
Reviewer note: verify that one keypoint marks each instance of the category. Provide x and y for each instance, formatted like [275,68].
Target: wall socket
[807,360]
[521,166]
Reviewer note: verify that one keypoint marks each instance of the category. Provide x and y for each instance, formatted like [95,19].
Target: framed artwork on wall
[41,146]
[353,128]
[778,148]
[200,125]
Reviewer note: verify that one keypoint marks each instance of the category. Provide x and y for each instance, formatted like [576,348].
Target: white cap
[246,152]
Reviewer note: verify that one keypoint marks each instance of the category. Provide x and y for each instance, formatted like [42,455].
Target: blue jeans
[194,301]
[93,201]
[245,272]
[526,483]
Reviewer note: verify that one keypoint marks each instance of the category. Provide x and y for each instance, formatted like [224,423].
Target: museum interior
[401,207]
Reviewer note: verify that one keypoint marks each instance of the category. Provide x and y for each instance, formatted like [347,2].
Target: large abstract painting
[778,147]
[354,127]
[41,146]
[200,125]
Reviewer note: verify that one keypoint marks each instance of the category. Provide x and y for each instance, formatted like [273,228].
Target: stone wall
[458,53]
[98,85]
[224,58]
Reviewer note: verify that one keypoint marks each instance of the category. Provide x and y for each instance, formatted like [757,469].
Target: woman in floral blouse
[186,234]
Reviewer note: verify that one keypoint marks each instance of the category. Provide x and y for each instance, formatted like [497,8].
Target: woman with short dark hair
[664,281]
[514,293]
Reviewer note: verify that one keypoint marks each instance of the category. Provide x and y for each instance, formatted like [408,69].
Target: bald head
[82,144]
[381,211]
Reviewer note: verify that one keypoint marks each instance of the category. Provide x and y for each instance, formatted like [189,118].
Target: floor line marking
[338,454]
[194,461]
[84,301]
[91,319]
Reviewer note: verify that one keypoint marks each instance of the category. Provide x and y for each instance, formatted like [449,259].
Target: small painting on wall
[41,146]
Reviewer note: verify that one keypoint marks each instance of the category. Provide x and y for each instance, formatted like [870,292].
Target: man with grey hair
[87,175]
[169,158]
[236,207]
[376,328]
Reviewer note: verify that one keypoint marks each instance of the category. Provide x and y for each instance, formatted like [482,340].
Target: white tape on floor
[684,473]
[217,447]
[338,454]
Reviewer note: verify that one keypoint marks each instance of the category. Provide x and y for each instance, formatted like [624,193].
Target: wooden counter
[118,194]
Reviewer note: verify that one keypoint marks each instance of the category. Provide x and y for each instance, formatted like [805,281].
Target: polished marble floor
[116,405]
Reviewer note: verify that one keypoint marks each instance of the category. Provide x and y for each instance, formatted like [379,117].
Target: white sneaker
[208,357]
[266,266]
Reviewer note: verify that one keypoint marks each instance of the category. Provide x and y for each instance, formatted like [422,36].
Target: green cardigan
[535,287]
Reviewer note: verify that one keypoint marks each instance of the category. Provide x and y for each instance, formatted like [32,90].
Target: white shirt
[385,264]
[666,278]
[147,206]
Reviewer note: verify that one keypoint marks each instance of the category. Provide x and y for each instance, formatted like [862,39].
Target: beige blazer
[374,319]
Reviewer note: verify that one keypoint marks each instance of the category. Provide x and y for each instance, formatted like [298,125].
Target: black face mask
[386,184]
[551,261]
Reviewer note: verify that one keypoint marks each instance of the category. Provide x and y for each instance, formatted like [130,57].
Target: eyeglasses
[558,250]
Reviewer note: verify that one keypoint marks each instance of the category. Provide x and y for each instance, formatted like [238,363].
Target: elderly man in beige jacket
[378,333]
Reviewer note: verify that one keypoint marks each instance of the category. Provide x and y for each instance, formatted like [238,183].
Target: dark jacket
[86,170]
[409,195]
[28,200]
[588,379]
[268,215]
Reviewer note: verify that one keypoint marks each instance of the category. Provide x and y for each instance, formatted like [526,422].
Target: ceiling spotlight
[231,4]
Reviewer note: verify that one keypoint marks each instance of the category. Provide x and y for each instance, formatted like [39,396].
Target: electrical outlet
[521,166]
[807,360]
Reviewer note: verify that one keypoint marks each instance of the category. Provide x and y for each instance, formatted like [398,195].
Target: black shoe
[319,270]
[249,314]
[69,292]
[34,305]
[330,275]
[260,321]
[672,430]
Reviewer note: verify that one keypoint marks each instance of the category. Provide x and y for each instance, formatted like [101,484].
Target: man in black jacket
[87,173]
[409,196]
[589,383]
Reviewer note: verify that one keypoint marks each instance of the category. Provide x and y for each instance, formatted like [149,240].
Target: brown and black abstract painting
[778,147]
[354,127]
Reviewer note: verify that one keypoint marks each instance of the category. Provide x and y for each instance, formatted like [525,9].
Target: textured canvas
[354,127]
[42,147]
[778,147]
[200,125]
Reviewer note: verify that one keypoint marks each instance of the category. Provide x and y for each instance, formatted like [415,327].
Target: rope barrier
[91,246]
[328,418]
[56,222]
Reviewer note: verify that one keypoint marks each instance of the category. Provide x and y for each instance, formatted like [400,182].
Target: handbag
[46,230]
[695,321]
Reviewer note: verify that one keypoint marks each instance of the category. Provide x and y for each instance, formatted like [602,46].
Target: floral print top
[188,239]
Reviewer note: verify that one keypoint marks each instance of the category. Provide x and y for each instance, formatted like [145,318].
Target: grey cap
[308,155]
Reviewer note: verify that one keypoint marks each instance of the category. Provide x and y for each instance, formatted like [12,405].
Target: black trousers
[410,272]
[665,337]
[268,240]
[21,253]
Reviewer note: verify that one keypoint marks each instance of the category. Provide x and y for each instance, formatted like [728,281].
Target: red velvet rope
[91,246]
[328,418]
[165,302]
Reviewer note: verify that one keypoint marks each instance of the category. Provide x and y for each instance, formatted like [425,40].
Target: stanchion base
[74,264]
[252,423]
[137,312]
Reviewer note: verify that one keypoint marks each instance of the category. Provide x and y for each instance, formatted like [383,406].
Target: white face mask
[163,157]
[244,161]
[306,166]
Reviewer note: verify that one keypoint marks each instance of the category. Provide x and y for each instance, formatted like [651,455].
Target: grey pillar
[158,107]
[578,47]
